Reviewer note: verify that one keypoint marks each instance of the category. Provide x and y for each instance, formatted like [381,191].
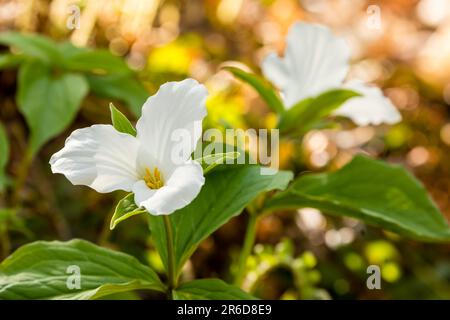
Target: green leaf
[122,87]
[125,209]
[8,61]
[120,121]
[290,120]
[211,161]
[43,270]
[48,102]
[96,61]
[306,113]
[266,92]
[221,156]
[380,194]
[33,45]
[4,155]
[210,289]
[224,195]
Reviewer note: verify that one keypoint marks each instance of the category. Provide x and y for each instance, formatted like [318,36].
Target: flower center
[153,180]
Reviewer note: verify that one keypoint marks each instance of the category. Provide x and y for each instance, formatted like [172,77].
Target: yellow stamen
[153,181]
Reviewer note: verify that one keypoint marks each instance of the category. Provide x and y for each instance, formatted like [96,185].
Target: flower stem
[249,241]
[22,176]
[172,281]
[5,241]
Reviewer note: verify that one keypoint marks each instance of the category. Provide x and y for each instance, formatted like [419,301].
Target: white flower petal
[315,60]
[275,69]
[142,192]
[180,189]
[177,107]
[370,108]
[99,157]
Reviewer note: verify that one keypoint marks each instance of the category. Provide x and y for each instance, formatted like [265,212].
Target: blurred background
[403,46]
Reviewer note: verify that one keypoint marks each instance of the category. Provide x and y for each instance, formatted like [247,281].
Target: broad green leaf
[4,155]
[309,111]
[122,87]
[33,45]
[209,162]
[380,194]
[120,121]
[10,60]
[96,61]
[224,195]
[128,295]
[266,92]
[210,289]
[125,209]
[48,102]
[47,270]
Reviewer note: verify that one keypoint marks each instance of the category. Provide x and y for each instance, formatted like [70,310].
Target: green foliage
[49,102]
[8,61]
[302,266]
[121,87]
[384,195]
[120,121]
[224,195]
[95,61]
[54,78]
[42,270]
[266,92]
[125,209]
[210,289]
[33,45]
[308,112]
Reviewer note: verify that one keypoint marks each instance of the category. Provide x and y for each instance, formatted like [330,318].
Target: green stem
[22,175]
[249,241]
[5,241]
[172,281]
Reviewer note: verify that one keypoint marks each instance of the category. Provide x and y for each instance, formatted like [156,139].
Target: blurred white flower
[316,61]
[162,181]
[372,107]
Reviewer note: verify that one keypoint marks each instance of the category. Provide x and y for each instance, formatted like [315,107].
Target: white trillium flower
[162,180]
[372,107]
[316,61]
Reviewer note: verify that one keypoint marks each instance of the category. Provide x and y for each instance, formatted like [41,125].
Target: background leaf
[224,195]
[97,61]
[380,194]
[33,45]
[210,289]
[49,102]
[10,60]
[266,92]
[122,87]
[39,271]
[305,114]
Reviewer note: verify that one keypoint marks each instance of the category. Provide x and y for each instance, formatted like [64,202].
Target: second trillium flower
[316,61]
[161,179]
